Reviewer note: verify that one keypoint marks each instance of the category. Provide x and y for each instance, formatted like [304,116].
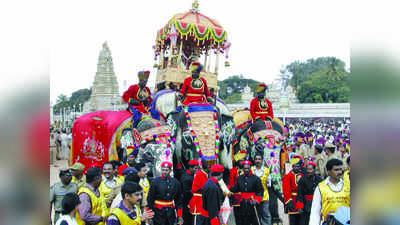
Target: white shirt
[117,200]
[316,208]
[68,219]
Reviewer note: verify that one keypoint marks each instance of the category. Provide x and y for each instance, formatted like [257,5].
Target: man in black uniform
[252,192]
[305,192]
[187,182]
[213,197]
[165,195]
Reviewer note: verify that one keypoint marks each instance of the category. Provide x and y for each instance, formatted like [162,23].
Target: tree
[230,89]
[77,98]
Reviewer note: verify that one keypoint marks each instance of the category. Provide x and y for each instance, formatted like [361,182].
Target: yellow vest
[264,179]
[146,186]
[124,219]
[106,190]
[346,177]
[332,200]
[99,207]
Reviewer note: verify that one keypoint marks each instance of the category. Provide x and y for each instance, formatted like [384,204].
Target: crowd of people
[316,187]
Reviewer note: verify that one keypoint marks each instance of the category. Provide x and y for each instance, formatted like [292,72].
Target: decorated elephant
[202,131]
[265,137]
[101,136]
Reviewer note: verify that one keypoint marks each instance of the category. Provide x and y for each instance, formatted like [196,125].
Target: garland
[158,141]
[196,140]
[270,144]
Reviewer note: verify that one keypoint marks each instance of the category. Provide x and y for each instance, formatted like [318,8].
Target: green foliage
[230,89]
[321,80]
[77,98]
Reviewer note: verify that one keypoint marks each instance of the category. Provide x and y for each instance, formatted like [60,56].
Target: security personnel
[289,187]
[187,183]
[128,212]
[195,88]
[93,209]
[109,183]
[165,195]
[263,173]
[260,106]
[251,193]
[196,203]
[78,177]
[319,159]
[305,192]
[330,194]
[58,191]
[213,197]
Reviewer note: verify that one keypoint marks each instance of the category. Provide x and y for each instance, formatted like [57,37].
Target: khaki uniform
[320,161]
[57,193]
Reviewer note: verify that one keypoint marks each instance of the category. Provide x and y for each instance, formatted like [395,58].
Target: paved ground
[63,163]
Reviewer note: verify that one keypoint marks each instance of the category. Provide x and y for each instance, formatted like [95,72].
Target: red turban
[217,168]
[166,164]
[194,162]
[246,162]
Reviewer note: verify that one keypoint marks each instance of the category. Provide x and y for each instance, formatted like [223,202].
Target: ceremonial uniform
[124,216]
[261,109]
[213,197]
[194,90]
[196,203]
[187,182]
[289,187]
[137,93]
[165,195]
[248,186]
[305,192]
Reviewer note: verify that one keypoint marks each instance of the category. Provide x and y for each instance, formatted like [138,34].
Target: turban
[313,164]
[196,67]
[296,160]
[217,168]
[144,75]
[240,155]
[166,164]
[246,162]
[122,168]
[194,162]
[261,87]
[131,150]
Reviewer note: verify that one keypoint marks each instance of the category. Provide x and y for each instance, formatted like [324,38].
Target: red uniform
[194,90]
[235,173]
[261,109]
[196,203]
[138,93]
[289,186]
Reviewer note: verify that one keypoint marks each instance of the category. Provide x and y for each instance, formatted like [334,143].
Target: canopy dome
[206,32]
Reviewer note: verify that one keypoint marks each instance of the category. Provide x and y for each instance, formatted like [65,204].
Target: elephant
[265,137]
[199,129]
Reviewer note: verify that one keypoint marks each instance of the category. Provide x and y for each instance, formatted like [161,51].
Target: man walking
[251,190]
[213,197]
[263,172]
[330,194]
[165,196]
[305,192]
[58,191]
